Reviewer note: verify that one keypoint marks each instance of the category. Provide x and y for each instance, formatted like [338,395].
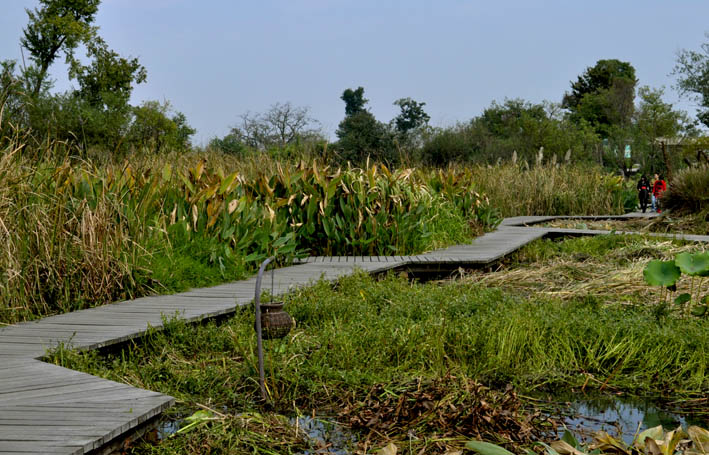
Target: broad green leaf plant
[666,274]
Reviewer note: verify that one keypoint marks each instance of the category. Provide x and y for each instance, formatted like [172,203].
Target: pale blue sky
[216,59]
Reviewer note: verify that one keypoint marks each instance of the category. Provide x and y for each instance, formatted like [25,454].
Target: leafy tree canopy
[693,70]
[412,115]
[354,100]
[603,96]
[56,26]
[360,136]
[108,80]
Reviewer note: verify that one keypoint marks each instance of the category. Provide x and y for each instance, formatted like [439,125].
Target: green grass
[363,333]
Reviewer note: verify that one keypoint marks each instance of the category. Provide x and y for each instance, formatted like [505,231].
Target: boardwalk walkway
[46,409]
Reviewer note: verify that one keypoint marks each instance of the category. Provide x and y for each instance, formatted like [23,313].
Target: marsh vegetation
[545,323]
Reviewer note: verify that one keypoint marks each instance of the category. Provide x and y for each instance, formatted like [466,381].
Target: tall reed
[551,189]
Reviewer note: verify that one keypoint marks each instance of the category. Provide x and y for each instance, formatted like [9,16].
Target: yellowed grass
[616,278]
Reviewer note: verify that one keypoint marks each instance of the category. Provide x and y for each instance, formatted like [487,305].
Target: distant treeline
[599,118]
[603,114]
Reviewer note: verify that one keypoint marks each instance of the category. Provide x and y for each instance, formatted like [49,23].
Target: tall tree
[412,115]
[281,125]
[654,119]
[693,70]
[354,100]
[107,82]
[359,134]
[57,26]
[603,96]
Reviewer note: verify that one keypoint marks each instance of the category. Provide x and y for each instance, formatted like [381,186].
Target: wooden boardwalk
[46,409]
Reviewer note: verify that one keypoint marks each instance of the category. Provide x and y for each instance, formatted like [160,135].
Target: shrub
[688,191]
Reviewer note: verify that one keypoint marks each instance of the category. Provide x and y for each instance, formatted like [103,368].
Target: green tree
[354,100]
[230,144]
[412,115]
[604,97]
[515,126]
[11,98]
[57,26]
[107,82]
[359,134]
[654,119]
[281,125]
[105,87]
[184,132]
[153,128]
[693,70]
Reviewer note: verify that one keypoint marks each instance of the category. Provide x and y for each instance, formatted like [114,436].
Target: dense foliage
[80,234]
[96,117]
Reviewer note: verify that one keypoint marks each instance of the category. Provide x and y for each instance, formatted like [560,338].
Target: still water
[620,416]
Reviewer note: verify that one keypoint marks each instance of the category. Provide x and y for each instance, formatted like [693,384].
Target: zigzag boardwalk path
[46,409]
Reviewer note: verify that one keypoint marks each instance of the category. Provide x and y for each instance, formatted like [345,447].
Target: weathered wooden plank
[38,448]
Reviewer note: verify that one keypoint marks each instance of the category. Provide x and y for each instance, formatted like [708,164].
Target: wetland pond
[617,415]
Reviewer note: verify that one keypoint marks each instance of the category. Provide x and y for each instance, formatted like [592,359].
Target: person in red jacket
[658,187]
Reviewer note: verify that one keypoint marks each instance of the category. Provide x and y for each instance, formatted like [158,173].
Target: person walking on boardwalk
[643,192]
[658,187]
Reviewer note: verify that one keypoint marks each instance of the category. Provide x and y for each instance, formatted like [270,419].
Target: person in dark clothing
[643,192]
[658,187]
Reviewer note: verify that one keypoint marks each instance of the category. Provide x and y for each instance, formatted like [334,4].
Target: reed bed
[78,234]
[551,189]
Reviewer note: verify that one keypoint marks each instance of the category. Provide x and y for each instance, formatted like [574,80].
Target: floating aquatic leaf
[696,264]
[661,273]
[682,299]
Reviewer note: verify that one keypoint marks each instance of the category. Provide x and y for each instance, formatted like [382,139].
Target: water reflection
[620,416]
[326,436]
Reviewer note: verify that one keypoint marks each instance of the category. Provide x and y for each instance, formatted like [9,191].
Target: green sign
[627,151]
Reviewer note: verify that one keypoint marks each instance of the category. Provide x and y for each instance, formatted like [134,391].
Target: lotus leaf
[699,310]
[696,264]
[661,273]
[682,299]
